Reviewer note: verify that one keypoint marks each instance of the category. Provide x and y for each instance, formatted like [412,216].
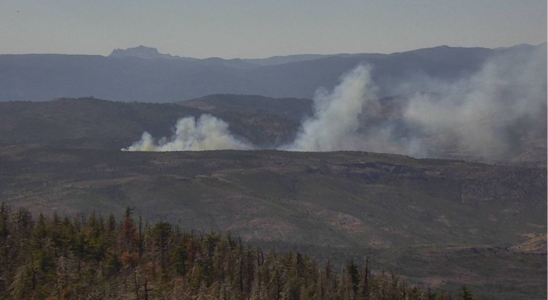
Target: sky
[260,28]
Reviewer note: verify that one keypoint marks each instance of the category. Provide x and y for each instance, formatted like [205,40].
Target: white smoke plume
[496,115]
[335,123]
[206,133]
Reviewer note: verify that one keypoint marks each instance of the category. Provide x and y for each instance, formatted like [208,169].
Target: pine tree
[65,258]
[465,294]
[363,287]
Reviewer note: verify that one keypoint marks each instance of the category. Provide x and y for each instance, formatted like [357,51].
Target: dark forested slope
[92,257]
[100,124]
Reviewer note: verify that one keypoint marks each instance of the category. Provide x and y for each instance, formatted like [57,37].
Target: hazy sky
[260,28]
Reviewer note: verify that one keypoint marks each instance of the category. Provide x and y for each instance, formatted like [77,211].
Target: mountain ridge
[44,77]
[265,122]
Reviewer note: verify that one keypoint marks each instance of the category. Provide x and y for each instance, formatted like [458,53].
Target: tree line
[91,257]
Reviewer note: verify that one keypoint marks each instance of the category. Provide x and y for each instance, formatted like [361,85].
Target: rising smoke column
[492,115]
[335,123]
[206,133]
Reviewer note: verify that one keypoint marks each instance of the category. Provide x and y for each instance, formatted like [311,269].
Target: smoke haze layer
[490,115]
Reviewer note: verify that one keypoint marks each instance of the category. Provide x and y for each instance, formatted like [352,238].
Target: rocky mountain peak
[139,52]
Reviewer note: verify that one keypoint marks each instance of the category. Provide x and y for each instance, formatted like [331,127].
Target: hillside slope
[342,203]
[268,122]
[100,124]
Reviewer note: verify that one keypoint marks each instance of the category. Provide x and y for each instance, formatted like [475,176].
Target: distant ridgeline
[90,257]
[144,74]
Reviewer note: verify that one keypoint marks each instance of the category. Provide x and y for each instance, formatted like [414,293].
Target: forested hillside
[91,257]
[439,222]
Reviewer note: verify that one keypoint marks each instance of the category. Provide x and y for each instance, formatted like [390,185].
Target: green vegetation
[437,222]
[89,257]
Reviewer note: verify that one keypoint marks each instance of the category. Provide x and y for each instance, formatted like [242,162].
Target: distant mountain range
[144,74]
